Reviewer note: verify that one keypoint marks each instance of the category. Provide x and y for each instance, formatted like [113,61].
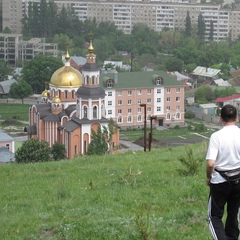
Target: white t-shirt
[224,148]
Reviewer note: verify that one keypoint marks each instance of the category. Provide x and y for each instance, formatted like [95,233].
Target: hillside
[126,196]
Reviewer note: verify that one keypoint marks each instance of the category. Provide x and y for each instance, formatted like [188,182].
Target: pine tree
[201,27]
[188,25]
[211,31]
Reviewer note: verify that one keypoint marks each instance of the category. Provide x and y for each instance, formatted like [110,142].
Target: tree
[204,94]
[39,71]
[188,25]
[63,41]
[211,31]
[98,145]
[58,151]
[33,150]
[201,27]
[5,70]
[20,90]
[174,64]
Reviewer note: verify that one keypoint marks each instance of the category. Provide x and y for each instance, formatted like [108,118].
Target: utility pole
[145,126]
[150,134]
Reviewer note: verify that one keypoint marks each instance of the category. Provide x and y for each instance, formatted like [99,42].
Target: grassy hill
[126,196]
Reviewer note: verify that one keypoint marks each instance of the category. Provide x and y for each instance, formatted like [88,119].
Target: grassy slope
[101,197]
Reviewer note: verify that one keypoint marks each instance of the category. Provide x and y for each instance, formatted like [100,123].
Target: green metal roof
[129,80]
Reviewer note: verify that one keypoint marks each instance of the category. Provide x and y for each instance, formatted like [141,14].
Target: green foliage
[211,31]
[58,151]
[33,150]
[20,90]
[188,26]
[39,71]
[98,145]
[174,64]
[227,91]
[5,70]
[201,27]
[191,162]
[204,94]
[189,114]
[200,127]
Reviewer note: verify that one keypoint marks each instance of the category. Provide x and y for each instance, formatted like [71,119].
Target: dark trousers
[220,195]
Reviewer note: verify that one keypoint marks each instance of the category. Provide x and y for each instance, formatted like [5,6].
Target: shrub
[58,151]
[189,114]
[33,150]
[190,163]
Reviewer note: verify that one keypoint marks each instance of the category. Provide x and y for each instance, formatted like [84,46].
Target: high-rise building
[156,14]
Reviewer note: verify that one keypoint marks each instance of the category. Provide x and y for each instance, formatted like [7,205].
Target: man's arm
[209,170]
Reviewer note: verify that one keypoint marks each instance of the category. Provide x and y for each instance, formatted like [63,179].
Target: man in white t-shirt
[224,155]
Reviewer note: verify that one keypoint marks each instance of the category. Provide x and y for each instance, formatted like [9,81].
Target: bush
[191,163]
[189,114]
[58,151]
[33,150]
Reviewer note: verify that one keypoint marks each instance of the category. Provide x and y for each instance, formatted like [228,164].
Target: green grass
[10,111]
[102,197]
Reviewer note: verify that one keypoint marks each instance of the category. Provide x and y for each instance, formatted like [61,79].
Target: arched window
[93,80]
[139,118]
[129,119]
[87,80]
[119,119]
[94,112]
[66,94]
[168,116]
[109,84]
[85,112]
[73,93]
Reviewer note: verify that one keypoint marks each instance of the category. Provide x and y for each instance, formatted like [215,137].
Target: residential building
[14,50]
[7,147]
[156,14]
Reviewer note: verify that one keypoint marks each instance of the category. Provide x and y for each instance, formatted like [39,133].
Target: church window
[85,112]
[93,80]
[73,94]
[66,94]
[75,149]
[85,146]
[94,112]
[87,80]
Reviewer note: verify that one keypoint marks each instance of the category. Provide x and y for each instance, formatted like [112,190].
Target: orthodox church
[73,106]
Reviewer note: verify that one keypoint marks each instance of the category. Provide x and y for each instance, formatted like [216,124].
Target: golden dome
[66,76]
[56,99]
[45,93]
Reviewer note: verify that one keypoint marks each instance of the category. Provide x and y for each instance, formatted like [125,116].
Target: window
[109,84]
[149,91]
[168,99]
[139,101]
[168,108]
[129,93]
[73,94]
[7,146]
[158,99]
[119,102]
[119,120]
[85,112]
[129,119]
[149,100]
[178,108]
[139,110]
[109,103]
[139,92]
[168,90]
[158,109]
[129,102]
[119,111]
[178,116]
[139,118]
[119,93]
[109,93]
[158,90]
[109,112]
[177,99]
[94,112]
[168,116]
[129,110]
[177,90]
[149,109]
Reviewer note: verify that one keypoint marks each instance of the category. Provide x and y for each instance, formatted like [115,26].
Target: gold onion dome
[66,76]
[45,93]
[56,99]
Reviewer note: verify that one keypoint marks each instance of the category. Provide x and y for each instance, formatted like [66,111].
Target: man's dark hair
[228,113]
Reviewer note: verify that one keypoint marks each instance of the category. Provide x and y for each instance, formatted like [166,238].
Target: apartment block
[14,51]
[156,14]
